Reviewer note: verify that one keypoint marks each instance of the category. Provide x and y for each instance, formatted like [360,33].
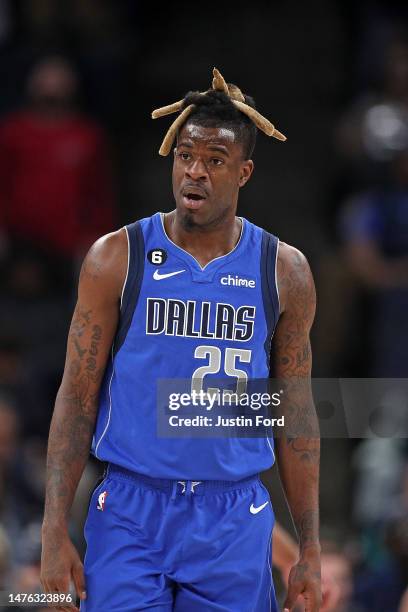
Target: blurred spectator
[383,588]
[4,559]
[34,313]
[337,578]
[9,430]
[25,574]
[21,476]
[11,362]
[379,467]
[375,232]
[375,128]
[55,175]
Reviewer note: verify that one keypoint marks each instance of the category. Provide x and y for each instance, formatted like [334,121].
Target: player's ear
[247,167]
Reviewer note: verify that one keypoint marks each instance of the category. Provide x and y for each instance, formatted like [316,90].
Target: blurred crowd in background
[78,158]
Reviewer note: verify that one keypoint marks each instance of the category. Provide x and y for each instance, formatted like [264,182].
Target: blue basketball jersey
[175,318]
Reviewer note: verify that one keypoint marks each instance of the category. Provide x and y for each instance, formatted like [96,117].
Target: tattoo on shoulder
[90,269]
[291,343]
[296,283]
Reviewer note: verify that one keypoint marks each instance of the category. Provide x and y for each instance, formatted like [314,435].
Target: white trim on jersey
[192,256]
[270,345]
[270,446]
[110,405]
[127,270]
[276,275]
[270,569]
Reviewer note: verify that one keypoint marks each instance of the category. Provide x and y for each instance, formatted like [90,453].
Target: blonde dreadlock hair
[220,94]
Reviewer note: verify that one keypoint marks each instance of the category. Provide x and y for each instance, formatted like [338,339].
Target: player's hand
[61,564]
[304,581]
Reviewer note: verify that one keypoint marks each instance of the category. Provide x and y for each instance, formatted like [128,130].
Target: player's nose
[197,170]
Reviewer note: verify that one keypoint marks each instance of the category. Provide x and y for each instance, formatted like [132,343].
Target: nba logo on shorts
[101,500]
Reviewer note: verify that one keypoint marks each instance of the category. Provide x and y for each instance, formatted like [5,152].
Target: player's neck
[203,243]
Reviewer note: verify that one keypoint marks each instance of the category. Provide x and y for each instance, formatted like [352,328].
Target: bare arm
[298,447]
[89,342]
[374,268]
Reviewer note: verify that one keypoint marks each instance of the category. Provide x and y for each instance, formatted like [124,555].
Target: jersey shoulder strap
[133,281]
[270,294]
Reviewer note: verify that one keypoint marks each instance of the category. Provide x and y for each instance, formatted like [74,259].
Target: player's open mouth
[193,199]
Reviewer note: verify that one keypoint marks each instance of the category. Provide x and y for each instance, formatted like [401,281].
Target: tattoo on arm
[90,338]
[308,526]
[73,424]
[298,445]
[294,357]
[83,374]
[91,269]
[296,284]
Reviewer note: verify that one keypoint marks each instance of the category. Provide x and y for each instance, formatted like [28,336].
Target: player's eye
[184,156]
[216,161]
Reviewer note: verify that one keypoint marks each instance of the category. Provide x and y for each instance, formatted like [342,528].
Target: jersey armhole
[276,277]
[270,291]
[127,268]
[132,283]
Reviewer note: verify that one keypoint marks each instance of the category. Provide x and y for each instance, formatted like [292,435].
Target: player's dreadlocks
[223,105]
[215,109]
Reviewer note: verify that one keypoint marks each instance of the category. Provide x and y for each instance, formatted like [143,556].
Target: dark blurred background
[78,158]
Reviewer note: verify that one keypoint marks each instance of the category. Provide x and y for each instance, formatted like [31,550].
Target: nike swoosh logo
[158,276]
[254,510]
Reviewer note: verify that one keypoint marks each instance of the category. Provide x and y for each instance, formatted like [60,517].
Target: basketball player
[185,524]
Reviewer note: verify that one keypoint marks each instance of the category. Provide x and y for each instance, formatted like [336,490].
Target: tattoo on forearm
[308,528]
[301,424]
[81,319]
[302,357]
[81,352]
[308,450]
[93,351]
[83,373]
[301,432]
[72,429]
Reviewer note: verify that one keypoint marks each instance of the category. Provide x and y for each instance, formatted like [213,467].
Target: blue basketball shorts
[182,546]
